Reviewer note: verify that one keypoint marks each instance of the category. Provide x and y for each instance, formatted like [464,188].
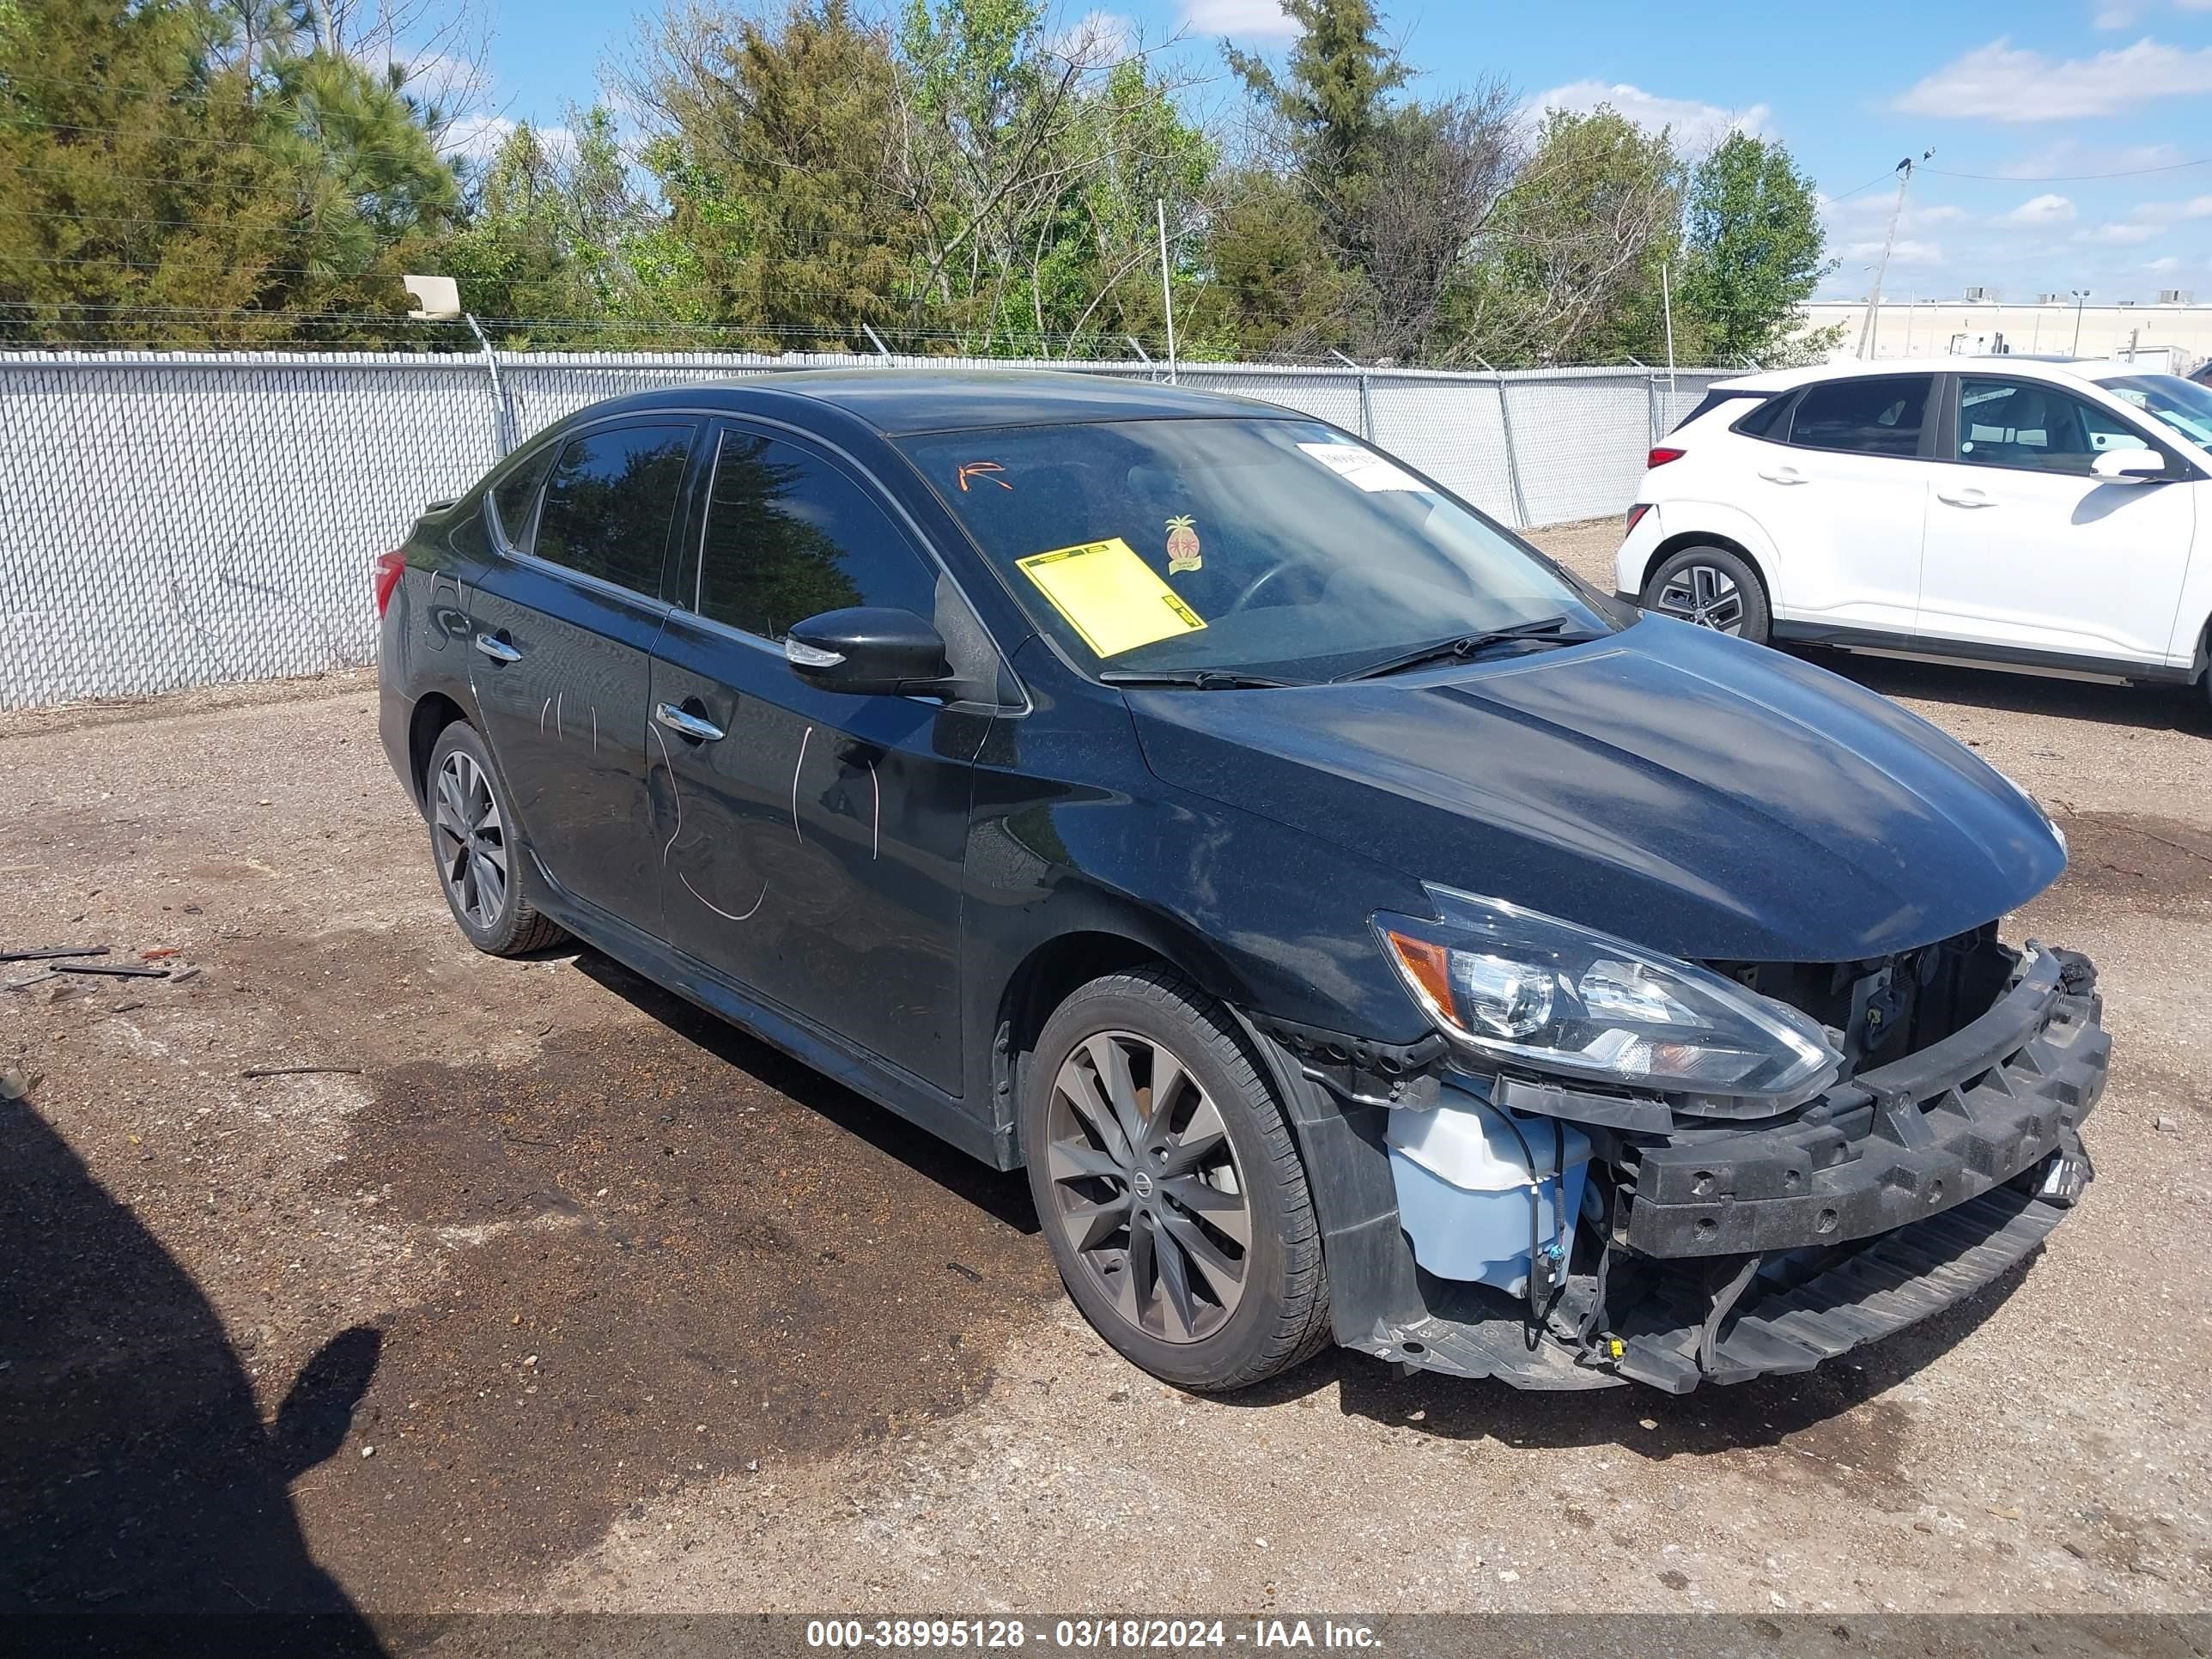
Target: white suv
[1993,510]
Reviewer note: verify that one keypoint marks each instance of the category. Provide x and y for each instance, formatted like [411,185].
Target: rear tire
[1183,1231]
[1712,587]
[484,862]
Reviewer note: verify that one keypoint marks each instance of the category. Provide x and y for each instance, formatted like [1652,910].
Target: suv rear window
[1871,415]
[1712,401]
[1767,421]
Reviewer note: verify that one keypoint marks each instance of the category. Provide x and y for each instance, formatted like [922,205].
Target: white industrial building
[2173,332]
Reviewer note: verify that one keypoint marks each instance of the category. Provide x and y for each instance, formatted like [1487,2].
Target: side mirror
[2129,466]
[869,651]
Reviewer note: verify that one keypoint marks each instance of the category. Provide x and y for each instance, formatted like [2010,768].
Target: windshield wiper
[1462,646]
[1203,680]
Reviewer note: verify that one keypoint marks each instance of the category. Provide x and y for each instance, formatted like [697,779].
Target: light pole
[2080,299]
[1874,296]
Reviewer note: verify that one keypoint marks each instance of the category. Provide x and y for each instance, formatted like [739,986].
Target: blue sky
[2031,96]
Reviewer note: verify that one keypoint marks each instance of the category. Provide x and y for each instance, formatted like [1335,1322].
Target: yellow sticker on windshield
[1110,596]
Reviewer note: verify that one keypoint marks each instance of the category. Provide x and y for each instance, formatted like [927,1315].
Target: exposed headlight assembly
[1511,986]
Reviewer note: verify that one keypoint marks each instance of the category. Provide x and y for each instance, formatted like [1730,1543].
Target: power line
[2067,177]
[116,317]
[782,239]
[15,77]
[286,149]
[1878,179]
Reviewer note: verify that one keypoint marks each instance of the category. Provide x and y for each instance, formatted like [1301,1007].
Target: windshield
[2180,406]
[1275,548]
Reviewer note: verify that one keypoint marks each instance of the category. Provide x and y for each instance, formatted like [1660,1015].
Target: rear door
[561,630]
[2028,550]
[1840,484]
[812,843]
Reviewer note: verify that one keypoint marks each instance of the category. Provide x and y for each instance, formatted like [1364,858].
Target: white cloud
[1908,252]
[2168,213]
[1240,17]
[2003,82]
[2071,156]
[2118,235]
[2045,209]
[1097,39]
[2115,14]
[2168,263]
[1696,126]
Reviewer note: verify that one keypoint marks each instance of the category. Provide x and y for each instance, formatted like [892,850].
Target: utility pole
[1167,290]
[1667,304]
[1874,298]
[2080,299]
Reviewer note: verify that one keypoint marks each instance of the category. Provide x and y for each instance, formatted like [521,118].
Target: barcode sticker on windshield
[1110,596]
[1362,467]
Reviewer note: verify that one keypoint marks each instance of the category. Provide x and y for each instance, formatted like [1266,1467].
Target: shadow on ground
[143,1505]
[2148,707]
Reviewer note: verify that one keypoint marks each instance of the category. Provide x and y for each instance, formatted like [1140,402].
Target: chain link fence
[170,520]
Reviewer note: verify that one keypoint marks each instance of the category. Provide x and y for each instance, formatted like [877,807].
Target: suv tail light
[1636,516]
[389,569]
[1663,455]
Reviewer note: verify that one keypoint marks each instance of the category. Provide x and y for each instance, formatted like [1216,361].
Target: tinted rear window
[1767,421]
[1871,415]
[609,500]
[514,497]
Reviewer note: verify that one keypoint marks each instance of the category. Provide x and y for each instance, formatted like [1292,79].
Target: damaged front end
[1488,1217]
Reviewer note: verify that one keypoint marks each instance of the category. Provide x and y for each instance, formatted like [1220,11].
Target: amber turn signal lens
[1430,965]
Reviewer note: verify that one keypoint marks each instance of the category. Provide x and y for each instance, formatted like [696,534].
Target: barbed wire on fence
[91,327]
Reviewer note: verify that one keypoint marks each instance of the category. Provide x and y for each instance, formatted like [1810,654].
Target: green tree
[156,187]
[778,157]
[1035,166]
[352,150]
[1397,189]
[549,235]
[1332,104]
[1567,268]
[1756,249]
[1275,287]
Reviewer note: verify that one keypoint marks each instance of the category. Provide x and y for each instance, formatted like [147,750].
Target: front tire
[483,863]
[1712,587]
[1168,1186]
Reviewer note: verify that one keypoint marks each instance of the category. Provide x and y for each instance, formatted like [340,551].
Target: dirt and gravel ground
[632,1313]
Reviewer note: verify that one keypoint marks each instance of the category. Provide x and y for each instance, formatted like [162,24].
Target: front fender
[1260,916]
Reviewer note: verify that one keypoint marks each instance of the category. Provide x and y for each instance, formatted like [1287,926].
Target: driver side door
[812,842]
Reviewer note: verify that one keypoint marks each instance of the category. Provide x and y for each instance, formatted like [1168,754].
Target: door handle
[1966,497]
[1785,475]
[690,725]
[497,650]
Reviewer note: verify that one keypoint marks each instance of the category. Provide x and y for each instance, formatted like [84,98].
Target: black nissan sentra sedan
[1361,929]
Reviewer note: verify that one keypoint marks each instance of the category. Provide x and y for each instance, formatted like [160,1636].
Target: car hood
[1668,784]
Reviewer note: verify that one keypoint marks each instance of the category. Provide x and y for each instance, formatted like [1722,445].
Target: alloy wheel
[1706,595]
[471,840]
[1145,1187]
